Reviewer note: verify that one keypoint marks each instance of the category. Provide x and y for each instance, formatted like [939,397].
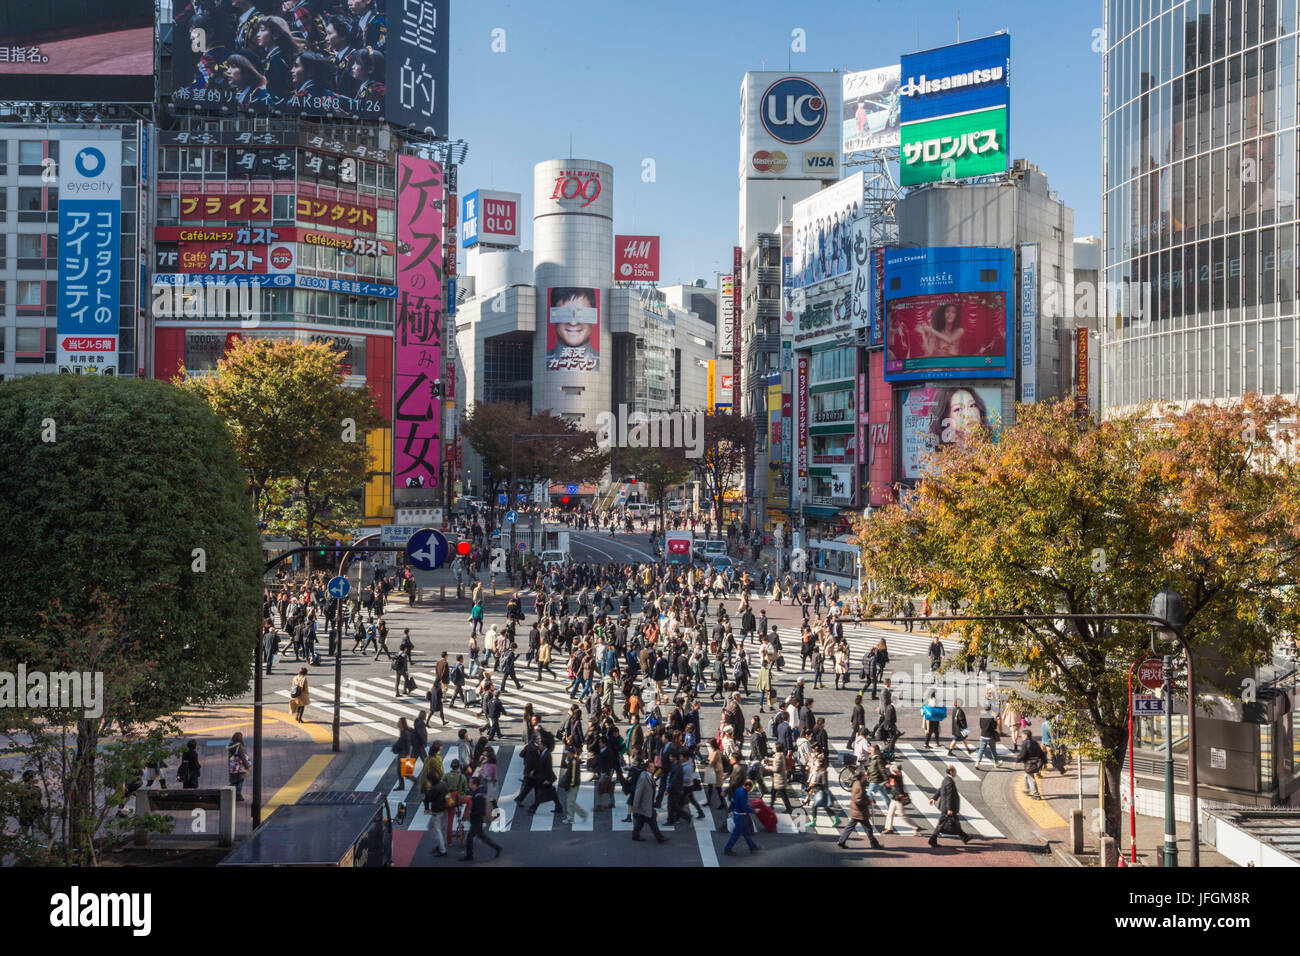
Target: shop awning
[820,511]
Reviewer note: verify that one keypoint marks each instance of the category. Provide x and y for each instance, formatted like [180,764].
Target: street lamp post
[1170,621]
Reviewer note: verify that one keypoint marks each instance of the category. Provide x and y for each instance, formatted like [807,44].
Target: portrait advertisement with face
[953,330]
[573,329]
[932,418]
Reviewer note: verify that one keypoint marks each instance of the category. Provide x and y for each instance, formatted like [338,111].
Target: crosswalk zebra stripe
[511,783]
[370,780]
[933,777]
[963,772]
[344,716]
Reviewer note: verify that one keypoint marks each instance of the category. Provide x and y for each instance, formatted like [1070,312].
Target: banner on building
[737,345]
[573,329]
[861,253]
[726,301]
[1029,322]
[1082,404]
[823,231]
[871,109]
[636,258]
[90,254]
[934,417]
[417,415]
[802,412]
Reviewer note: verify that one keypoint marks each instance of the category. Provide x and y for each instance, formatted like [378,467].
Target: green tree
[658,469]
[136,556]
[298,430]
[729,446]
[1056,517]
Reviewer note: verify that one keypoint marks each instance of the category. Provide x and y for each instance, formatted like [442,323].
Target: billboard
[932,417]
[823,232]
[1082,407]
[417,346]
[1029,322]
[85,51]
[955,103]
[725,304]
[737,342]
[572,329]
[370,60]
[789,125]
[489,217]
[864,272]
[205,347]
[954,147]
[876,336]
[90,254]
[947,313]
[801,398]
[636,258]
[878,448]
[872,105]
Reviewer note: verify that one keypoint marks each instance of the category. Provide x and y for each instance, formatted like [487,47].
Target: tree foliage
[298,430]
[573,454]
[136,555]
[658,469]
[729,447]
[1055,517]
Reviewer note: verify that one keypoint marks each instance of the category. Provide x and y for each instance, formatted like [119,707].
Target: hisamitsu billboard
[956,79]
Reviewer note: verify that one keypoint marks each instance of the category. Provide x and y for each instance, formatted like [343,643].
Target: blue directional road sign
[571,489]
[338,587]
[427,549]
[501,498]
[512,516]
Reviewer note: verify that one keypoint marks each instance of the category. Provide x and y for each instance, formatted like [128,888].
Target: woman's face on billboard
[964,412]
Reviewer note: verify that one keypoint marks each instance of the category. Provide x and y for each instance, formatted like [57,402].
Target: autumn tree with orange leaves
[1059,516]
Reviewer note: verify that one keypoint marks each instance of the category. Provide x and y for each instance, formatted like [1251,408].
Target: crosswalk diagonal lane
[929,771]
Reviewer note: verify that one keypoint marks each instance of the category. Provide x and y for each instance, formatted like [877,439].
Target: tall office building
[1199,179]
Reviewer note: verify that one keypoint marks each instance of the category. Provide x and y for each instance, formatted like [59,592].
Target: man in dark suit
[948,802]
[477,814]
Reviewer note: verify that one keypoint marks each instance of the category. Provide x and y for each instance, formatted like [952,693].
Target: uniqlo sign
[636,258]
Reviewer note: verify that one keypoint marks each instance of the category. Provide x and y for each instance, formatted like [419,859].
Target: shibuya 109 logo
[186,300]
[651,430]
[58,690]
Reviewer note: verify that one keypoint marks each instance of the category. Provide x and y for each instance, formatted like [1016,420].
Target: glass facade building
[1199,214]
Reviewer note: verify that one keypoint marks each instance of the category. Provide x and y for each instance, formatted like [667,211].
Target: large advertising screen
[955,103]
[489,217]
[947,313]
[823,231]
[87,51]
[90,255]
[871,109]
[636,258]
[417,361]
[933,417]
[364,59]
[789,125]
[572,329]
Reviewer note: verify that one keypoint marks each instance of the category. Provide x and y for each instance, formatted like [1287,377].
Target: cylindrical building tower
[573,240]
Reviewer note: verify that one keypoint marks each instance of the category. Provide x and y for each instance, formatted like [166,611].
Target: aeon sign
[577,184]
[793,110]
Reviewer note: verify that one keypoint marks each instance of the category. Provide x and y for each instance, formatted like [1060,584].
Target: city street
[372,712]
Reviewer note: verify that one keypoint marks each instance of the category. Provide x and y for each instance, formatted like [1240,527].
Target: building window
[29,198]
[31,152]
[29,345]
[29,295]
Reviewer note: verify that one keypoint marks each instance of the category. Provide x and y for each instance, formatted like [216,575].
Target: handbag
[297,689]
[406,767]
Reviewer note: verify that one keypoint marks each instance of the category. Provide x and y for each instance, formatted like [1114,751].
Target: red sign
[581,184]
[1151,673]
[679,546]
[499,217]
[636,258]
[736,349]
[243,260]
[80,344]
[281,257]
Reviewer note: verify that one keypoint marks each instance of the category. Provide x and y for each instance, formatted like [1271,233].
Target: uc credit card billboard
[947,313]
[955,107]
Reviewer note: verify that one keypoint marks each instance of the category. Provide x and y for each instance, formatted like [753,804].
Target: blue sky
[631,80]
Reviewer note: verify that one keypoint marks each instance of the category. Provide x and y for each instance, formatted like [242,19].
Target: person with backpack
[988,737]
[457,677]
[1030,753]
[401,671]
[239,764]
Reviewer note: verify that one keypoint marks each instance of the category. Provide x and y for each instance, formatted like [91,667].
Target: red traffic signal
[462,548]
[564,500]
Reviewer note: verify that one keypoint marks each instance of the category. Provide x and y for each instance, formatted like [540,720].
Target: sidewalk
[1050,819]
[296,758]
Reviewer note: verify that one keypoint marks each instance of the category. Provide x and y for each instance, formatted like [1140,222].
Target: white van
[642,509]
[708,549]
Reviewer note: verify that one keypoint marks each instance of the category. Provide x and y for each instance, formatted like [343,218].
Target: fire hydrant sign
[1151,673]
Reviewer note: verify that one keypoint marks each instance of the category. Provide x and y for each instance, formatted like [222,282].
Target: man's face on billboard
[572,333]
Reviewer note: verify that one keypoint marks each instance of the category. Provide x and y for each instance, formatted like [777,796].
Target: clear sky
[631,79]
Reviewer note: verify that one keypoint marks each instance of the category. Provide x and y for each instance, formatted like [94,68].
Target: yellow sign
[713,401]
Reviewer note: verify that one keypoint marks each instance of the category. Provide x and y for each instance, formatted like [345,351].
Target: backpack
[772,724]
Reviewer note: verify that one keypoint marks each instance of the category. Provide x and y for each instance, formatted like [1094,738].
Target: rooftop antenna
[958,26]
[570,146]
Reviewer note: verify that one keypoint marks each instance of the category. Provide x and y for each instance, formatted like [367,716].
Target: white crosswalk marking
[511,783]
[933,776]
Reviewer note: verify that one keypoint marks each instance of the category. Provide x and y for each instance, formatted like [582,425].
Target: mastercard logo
[770,162]
[281,257]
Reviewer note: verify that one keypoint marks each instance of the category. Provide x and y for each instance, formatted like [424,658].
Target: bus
[836,560]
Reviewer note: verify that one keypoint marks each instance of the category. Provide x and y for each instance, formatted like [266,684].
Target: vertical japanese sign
[90,244]
[803,425]
[877,333]
[860,253]
[1081,408]
[1029,322]
[417,345]
[863,418]
[726,301]
[737,348]
[419,58]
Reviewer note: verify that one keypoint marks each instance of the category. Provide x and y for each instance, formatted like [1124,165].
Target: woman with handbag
[238,764]
[899,801]
[299,694]
[402,747]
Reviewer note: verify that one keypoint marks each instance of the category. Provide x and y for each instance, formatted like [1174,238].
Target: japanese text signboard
[90,244]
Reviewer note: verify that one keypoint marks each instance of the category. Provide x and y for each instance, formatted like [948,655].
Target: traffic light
[564,500]
[462,548]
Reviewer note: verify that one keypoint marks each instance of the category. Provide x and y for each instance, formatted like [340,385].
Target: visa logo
[818,162]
